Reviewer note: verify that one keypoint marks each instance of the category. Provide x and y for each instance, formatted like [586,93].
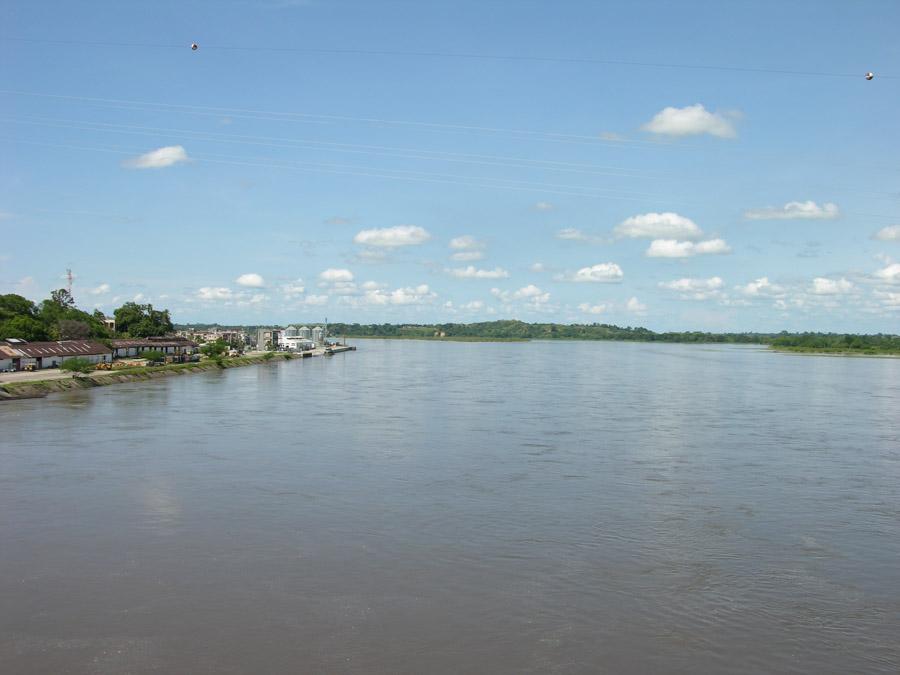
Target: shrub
[77,365]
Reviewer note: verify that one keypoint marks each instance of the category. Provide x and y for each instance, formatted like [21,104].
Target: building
[170,346]
[110,325]
[305,332]
[7,357]
[267,338]
[20,353]
[318,335]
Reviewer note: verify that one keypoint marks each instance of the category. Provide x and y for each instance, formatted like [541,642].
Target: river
[426,507]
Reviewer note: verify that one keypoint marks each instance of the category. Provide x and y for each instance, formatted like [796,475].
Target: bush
[77,365]
[153,355]
[268,356]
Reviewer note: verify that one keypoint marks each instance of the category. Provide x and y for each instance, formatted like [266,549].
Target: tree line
[57,318]
[602,331]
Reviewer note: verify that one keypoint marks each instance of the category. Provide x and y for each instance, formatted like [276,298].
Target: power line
[334,51]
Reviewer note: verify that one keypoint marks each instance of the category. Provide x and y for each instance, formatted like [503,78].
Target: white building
[318,335]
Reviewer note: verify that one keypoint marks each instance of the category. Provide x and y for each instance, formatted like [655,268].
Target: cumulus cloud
[530,293]
[695,289]
[158,159]
[467,248]
[473,306]
[807,210]
[102,289]
[250,280]
[667,225]
[293,288]
[823,286]
[692,120]
[635,306]
[670,248]
[465,243]
[889,274]
[471,272]
[332,275]
[588,308]
[888,299]
[410,295]
[601,273]
[761,286]
[389,237]
[211,293]
[538,267]
[889,233]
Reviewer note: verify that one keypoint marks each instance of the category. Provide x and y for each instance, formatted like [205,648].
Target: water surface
[545,507]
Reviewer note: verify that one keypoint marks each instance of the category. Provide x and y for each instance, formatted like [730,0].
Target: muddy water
[424,507]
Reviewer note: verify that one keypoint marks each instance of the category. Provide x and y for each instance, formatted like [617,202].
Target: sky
[680,166]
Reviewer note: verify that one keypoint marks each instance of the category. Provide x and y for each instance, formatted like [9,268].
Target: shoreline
[16,391]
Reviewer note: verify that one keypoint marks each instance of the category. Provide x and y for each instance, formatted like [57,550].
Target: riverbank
[446,338]
[38,388]
[828,351]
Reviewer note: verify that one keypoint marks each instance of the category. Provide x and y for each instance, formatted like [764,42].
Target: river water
[420,507]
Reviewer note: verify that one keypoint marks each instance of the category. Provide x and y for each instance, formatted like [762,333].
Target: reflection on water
[451,507]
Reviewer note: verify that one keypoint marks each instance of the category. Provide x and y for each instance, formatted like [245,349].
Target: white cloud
[635,306]
[692,120]
[889,233]
[888,299]
[670,248]
[102,289]
[159,158]
[890,274]
[313,300]
[588,308]
[371,255]
[471,272]
[293,288]
[530,293]
[467,256]
[807,210]
[544,206]
[665,225]
[601,273]
[538,267]
[411,295]
[399,235]
[214,293]
[250,280]
[695,289]
[473,306]
[466,243]
[823,286]
[574,234]
[761,286]
[332,275]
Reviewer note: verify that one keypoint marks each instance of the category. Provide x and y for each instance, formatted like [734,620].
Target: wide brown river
[418,507]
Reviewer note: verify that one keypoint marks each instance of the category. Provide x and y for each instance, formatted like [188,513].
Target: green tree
[153,355]
[23,327]
[72,329]
[214,349]
[77,366]
[136,320]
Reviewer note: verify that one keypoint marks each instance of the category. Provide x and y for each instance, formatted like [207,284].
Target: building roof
[61,348]
[153,342]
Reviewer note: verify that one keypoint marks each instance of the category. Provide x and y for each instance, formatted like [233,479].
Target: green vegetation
[834,343]
[268,356]
[56,318]
[77,365]
[518,330]
[135,320]
[153,355]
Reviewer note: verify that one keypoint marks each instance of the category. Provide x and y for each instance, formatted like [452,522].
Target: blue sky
[393,180]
